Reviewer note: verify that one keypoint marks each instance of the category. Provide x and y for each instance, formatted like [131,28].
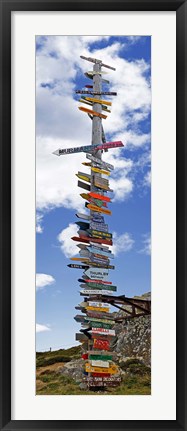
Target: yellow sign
[113,369]
[89,111]
[103,102]
[84,178]
[100,171]
[98,209]
[98,309]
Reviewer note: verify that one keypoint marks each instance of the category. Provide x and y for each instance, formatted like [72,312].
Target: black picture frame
[6,7]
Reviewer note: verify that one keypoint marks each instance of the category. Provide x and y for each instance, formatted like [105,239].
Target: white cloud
[39,219]
[122,243]
[146,249]
[42,328]
[43,280]
[68,246]
[147,179]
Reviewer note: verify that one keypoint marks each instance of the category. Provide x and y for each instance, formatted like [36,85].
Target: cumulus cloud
[146,249]
[39,219]
[43,280]
[122,243]
[68,246]
[42,328]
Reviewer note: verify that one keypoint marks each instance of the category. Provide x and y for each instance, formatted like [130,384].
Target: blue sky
[59,124]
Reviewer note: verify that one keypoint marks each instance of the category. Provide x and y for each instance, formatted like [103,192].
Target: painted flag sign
[96,273]
[99,162]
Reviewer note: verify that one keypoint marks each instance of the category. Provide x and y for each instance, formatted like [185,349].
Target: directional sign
[64,151]
[100,357]
[84,253]
[103,331]
[100,171]
[83,185]
[84,174]
[103,107]
[99,226]
[91,75]
[97,218]
[83,216]
[82,259]
[98,315]
[107,145]
[94,232]
[100,363]
[100,321]
[83,177]
[103,379]
[96,292]
[88,86]
[90,111]
[82,224]
[98,196]
[99,324]
[97,304]
[99,260]
[97,93]
[98,209]
[113,369]
[99,162]
[94,100]
[79,318]
[94,60]
[101,252]
[78,238]
[102,282]
[96,273]
[99,246]
[104,309]
[74,265]
[100,286]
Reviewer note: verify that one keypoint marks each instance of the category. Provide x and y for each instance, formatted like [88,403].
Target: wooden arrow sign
[94,60]
[98,209]
[97,93]
[113,369]
[100,363]
[83,177]
[104,309]
[94,113]
[94,100]
[90,76]
[86,239]
[74,265]
[83,185]
[98,196]
[99,162]
[82,224]
[94,232]
[100,171]
[83,216]
[95,292]
[103,107]
[96,273]
[103,331]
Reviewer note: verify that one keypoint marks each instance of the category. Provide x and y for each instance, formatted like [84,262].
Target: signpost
[93,240]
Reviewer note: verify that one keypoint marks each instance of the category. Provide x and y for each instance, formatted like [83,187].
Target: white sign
[96,273]
[104,364]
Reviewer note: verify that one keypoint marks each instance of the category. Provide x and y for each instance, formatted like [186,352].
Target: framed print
[93,262]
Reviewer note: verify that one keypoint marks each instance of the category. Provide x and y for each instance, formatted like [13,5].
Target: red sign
[101,344]
[97,196]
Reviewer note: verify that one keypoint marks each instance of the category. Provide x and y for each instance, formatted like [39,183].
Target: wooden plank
[94,113]
[113,369]
[101,101]
[97,273]
[99,320]
[83,216]
[99,363]
[97,309]
[99,162]
[83,177]
[83,185]
[97,209]
[97,93]
[98,196]
[100,171]
[103,331]
[95,292]
[100,357]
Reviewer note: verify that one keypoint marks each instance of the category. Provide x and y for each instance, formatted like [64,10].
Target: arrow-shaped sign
[97,273]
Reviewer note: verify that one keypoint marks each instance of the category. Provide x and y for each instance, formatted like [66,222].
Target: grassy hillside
[50,380]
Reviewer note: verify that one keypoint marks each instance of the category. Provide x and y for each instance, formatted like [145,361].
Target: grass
[50,381]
